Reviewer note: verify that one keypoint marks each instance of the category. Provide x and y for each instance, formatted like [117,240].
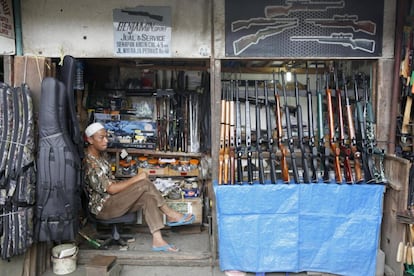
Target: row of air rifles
[177,121]
[343,152]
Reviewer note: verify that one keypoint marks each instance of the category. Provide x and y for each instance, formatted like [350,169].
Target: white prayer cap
[93,128]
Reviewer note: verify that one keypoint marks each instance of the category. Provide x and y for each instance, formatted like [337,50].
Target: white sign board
[6,19]
[142,32]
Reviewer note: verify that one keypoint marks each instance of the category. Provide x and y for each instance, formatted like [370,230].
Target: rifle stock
[282,148]
[231,135]
[227,140]
[356,154]
[289,134]
[346,151]
[222,133]
[332,139]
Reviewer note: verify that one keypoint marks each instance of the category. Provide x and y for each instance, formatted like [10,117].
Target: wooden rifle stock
[343,147]
[222,133]
[289,134]
[282,148]
[231,135]
[227,140]
[356,154]
[332,140]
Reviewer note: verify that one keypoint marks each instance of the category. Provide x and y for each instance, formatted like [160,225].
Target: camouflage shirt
[98,177]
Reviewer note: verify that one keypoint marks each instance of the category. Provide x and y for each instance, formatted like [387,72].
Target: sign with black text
[6,19]
[142,32]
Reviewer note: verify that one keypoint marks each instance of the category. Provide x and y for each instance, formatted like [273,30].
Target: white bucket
[64,263]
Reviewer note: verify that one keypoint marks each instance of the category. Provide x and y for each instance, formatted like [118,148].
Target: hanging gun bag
[17,171]
[58,163]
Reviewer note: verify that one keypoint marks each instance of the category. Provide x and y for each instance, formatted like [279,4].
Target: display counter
[319,227]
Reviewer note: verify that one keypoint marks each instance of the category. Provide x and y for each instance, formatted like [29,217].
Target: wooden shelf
[146,152]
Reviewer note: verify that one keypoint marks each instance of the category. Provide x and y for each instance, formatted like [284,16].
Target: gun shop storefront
[268,120]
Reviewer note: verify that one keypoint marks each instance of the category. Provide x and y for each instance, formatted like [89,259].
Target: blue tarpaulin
[319,227]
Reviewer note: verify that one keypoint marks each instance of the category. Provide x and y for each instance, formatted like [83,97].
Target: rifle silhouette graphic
[344,39]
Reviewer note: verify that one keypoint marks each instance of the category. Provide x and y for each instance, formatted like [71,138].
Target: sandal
[183,221]
[165,248]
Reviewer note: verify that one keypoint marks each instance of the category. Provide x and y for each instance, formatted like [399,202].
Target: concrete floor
[194,258]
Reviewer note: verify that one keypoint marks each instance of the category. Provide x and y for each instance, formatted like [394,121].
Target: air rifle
[343,148]
[367,162]
[305,167]
[356,154]
[222,134]
[232,129]
[239,150]
[289,134]
[313,151]
[282,148]
[332,138]
[227,140]
[323,150]
[259,139]
[372,151]
[269,129]
[248,137]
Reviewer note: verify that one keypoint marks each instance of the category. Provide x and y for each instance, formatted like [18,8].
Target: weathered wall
[84,28]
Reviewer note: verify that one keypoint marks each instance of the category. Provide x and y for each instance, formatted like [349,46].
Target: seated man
[110,198]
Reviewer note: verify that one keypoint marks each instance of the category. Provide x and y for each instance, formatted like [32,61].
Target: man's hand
[141,176]
[119,186]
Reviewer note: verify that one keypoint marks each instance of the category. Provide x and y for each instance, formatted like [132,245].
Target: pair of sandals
[185,220]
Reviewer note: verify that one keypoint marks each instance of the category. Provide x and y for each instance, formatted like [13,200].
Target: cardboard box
[101,265]
[193,172]
[188,205]
[155,171]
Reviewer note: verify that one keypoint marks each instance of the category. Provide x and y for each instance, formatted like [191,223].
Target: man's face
[99,140]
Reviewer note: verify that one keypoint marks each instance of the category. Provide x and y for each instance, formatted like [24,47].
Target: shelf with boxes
[129,161]
[175,174]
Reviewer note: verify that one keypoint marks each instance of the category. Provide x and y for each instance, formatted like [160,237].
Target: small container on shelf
[154,168]
[128,167]
[184,167]
[142,162]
